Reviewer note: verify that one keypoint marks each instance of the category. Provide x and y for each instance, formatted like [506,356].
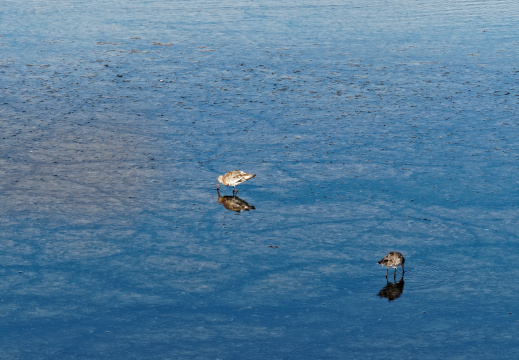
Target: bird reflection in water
[392,291]
[234,203]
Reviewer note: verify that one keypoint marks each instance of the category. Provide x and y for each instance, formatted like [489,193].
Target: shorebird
[233,178]
[392,260]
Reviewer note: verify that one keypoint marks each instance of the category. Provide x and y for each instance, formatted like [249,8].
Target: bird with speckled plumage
[234,178]
[392,260]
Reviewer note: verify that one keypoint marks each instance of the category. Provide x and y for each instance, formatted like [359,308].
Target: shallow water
[371,126]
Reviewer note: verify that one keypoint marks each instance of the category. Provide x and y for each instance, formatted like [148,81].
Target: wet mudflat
[371,127]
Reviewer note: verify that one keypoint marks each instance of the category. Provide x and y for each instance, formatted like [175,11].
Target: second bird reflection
[392,291]
[234,203]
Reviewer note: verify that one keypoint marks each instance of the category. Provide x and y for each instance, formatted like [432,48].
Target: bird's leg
[394,275]
[403,271]
[387,269]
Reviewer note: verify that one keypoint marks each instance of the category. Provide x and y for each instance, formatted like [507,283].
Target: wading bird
[392,260]
[233,178]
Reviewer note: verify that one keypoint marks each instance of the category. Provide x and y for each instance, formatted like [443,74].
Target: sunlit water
[371,126]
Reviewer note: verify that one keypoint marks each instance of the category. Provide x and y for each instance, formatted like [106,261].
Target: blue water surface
[371,126]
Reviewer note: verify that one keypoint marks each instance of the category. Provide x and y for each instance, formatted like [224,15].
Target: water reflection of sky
[371,127]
